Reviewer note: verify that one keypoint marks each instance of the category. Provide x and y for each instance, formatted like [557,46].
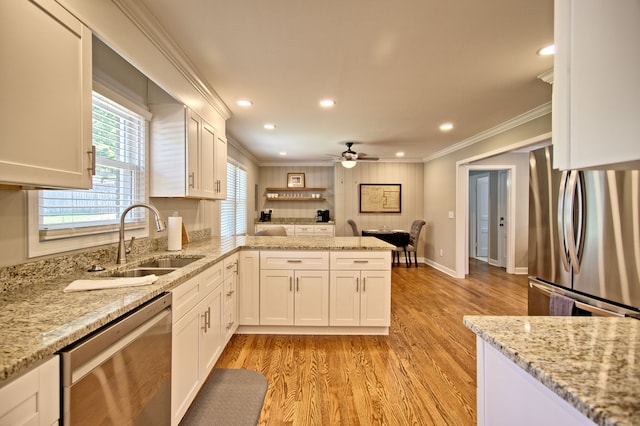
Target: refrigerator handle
[562,233]
[574,195]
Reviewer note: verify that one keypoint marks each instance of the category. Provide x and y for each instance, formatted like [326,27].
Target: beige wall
[440,177]
[409,175]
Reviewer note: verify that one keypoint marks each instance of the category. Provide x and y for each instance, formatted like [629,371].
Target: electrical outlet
[441,252]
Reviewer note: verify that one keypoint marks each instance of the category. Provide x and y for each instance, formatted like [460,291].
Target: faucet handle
[128,250]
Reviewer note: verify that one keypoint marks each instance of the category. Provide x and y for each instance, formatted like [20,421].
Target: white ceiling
[397,69]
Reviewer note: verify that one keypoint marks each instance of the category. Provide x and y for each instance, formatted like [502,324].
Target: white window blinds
[234,208]
[119,136]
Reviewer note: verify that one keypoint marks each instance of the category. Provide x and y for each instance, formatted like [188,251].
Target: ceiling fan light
[348,164]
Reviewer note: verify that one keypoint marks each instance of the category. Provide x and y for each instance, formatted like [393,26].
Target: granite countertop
[593,363]
[39,319]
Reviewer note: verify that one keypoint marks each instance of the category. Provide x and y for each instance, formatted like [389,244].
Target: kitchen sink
[170,262]
[141,272]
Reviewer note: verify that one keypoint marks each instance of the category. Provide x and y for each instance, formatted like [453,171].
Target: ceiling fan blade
[367,158]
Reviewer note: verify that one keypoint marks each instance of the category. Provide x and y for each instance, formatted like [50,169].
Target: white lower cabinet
[197,336]
[33,398]
[360,289]
[249,288]
[294,288]
[230,297]
[508,395]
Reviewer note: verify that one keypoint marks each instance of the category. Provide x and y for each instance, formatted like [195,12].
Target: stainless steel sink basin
[141,272]
[170,262]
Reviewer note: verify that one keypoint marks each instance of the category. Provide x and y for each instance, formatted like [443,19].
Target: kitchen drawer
[304,230]
[324,230]
[229,294]
[360,260]
[294,260]
[190,293]
[230,265]
[211,277]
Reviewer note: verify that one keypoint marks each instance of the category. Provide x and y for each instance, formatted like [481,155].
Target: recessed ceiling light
[327,103]
[269,126]
[283,154]
[547,50]
[445,127]
[399,154]
[244,102]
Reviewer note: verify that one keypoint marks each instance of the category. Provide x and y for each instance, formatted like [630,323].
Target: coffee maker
[265,216]
[322,216]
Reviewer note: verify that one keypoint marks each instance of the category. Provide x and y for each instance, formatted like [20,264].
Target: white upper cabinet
[45,106]
[184,155]
[596,87]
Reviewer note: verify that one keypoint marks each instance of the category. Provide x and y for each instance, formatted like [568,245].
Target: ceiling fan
[350,157]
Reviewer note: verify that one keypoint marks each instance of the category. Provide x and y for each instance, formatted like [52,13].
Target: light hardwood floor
[422,373]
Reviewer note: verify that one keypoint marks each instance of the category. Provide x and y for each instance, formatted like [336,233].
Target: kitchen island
[37,319]
[557,370]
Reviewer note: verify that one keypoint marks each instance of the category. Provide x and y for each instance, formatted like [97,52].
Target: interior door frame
[462,203]
[511,207]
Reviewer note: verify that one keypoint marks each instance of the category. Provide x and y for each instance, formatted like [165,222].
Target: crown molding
[519,120]
[242,149]
[547,76]
[149,26]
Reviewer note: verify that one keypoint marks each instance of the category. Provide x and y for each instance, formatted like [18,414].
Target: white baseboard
[494,262]
[441,268]
[522,270]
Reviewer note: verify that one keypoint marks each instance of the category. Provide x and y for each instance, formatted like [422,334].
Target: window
[76,219]
[234,208]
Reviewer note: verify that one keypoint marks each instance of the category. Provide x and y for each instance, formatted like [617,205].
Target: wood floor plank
[423,373]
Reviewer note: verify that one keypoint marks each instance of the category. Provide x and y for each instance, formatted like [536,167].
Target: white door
[276,297]
[311,298]
[503,216]
[482,216]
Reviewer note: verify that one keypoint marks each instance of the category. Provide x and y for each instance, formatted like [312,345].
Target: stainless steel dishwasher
[121,374]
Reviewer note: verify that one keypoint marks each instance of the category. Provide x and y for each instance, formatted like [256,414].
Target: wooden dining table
[397,237]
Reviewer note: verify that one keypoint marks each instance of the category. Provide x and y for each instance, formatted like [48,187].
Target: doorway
[489,216]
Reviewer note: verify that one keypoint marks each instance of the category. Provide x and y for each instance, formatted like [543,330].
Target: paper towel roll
[175,233]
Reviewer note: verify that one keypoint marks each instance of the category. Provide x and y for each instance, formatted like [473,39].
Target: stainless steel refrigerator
[584,238]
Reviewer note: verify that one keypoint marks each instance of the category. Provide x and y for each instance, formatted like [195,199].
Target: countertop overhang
[39,319]
[593,363]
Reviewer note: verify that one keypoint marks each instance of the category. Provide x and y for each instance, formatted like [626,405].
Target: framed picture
[380,198]
[295,180]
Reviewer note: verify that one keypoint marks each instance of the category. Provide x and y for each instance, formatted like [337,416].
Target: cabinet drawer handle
[360,261]
[298,284]
[290,283]
[357,284]
[294,261]
[192,180]
[364,284]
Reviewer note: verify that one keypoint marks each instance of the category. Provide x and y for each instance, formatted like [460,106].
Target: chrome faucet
[160,226]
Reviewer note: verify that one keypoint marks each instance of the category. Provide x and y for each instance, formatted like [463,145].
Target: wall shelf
[295,199]
[286,190]
[296,189]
